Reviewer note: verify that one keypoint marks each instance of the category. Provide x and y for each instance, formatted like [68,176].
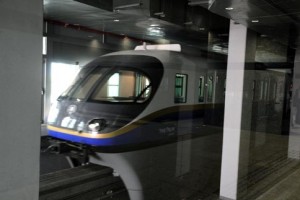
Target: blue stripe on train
[145,133]
[82,140]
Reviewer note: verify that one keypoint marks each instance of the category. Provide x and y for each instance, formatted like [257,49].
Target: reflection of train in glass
[153,116]
[138,98]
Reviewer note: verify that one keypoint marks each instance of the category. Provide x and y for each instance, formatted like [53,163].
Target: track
[90,182]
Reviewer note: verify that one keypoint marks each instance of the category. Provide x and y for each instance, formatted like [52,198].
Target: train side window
[180,88]
[261,90]
[141,83]
[274,92]
[113,85]
[210,88]
[266,88]
[253,90]
[201,89]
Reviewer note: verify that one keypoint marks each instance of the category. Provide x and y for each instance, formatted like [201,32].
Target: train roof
[169,59]
[161,55]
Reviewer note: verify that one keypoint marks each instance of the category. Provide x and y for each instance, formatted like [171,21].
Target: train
[155,115]
[136,99]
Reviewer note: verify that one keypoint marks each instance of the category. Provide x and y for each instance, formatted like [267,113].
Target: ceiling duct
[203,3]
[169,10]
[102,4]
[132,7]
[129,7]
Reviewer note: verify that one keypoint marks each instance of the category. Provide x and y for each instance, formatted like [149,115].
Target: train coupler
[76,153]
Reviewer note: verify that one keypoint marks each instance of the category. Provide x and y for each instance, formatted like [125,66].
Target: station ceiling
[187,21]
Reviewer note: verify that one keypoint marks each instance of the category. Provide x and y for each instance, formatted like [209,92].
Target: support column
[294,139]
[20,107]
[233,111]
[47,75]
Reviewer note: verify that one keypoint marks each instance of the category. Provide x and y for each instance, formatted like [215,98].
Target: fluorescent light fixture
[160,14]
[153,25]
[128,6]
[255,21]
[116,20]
[44,45]
[188,23]
[229,8]
[155,31]
[168,47]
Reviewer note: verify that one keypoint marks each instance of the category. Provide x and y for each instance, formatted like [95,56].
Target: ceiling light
[255,21]
[116,20]
[229,8]
[155,31]
[153,25]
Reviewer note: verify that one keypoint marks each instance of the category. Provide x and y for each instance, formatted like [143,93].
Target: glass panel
[186,130]
[264,133]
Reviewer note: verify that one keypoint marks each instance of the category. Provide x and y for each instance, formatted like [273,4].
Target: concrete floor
[269,169]
[286,189]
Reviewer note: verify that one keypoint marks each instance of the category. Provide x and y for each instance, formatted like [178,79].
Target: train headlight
[96,125]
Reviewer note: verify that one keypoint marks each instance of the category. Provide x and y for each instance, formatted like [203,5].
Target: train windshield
[84,82]
[117,79]
[124,86]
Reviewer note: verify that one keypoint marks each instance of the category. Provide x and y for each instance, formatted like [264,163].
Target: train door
[220,80]
[210,84]
[215,92]
[268,101]
[215,95]
[202,88]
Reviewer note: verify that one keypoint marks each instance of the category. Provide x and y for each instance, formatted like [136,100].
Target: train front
[106,97]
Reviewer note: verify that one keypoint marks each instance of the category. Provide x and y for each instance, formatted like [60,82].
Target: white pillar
[233,111]
[20,102]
